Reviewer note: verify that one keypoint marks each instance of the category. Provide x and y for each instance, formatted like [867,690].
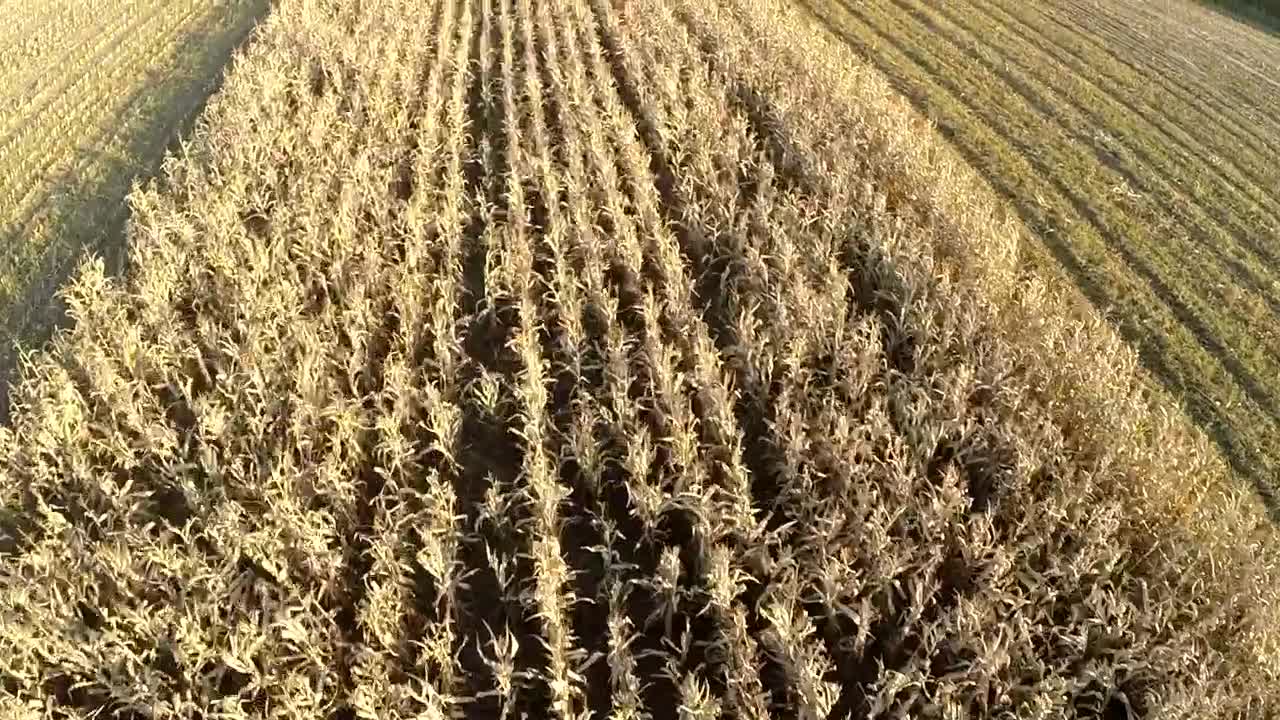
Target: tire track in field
[495,622]
[582,534]
[652,226]
[418,587]
[490,452]
[886,651]
[856,672]
[793,174]
[678,210]
[376,491]
[550,644]
[660,698]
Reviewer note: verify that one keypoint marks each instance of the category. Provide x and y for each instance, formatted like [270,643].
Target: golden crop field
[1141,142]
[567,359]
[91,93]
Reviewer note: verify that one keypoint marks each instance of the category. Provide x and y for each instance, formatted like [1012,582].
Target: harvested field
[91,93]
[520,358]
[1141,142]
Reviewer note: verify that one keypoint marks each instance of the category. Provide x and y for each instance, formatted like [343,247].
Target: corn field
[566,359]
[1138,140]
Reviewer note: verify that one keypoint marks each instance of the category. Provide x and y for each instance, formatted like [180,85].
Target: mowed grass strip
[1175,245]
[88,105]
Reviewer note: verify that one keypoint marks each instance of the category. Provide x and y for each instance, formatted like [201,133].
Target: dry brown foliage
[517,358]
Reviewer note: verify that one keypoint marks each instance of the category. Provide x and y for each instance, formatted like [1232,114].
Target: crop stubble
[527,358]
